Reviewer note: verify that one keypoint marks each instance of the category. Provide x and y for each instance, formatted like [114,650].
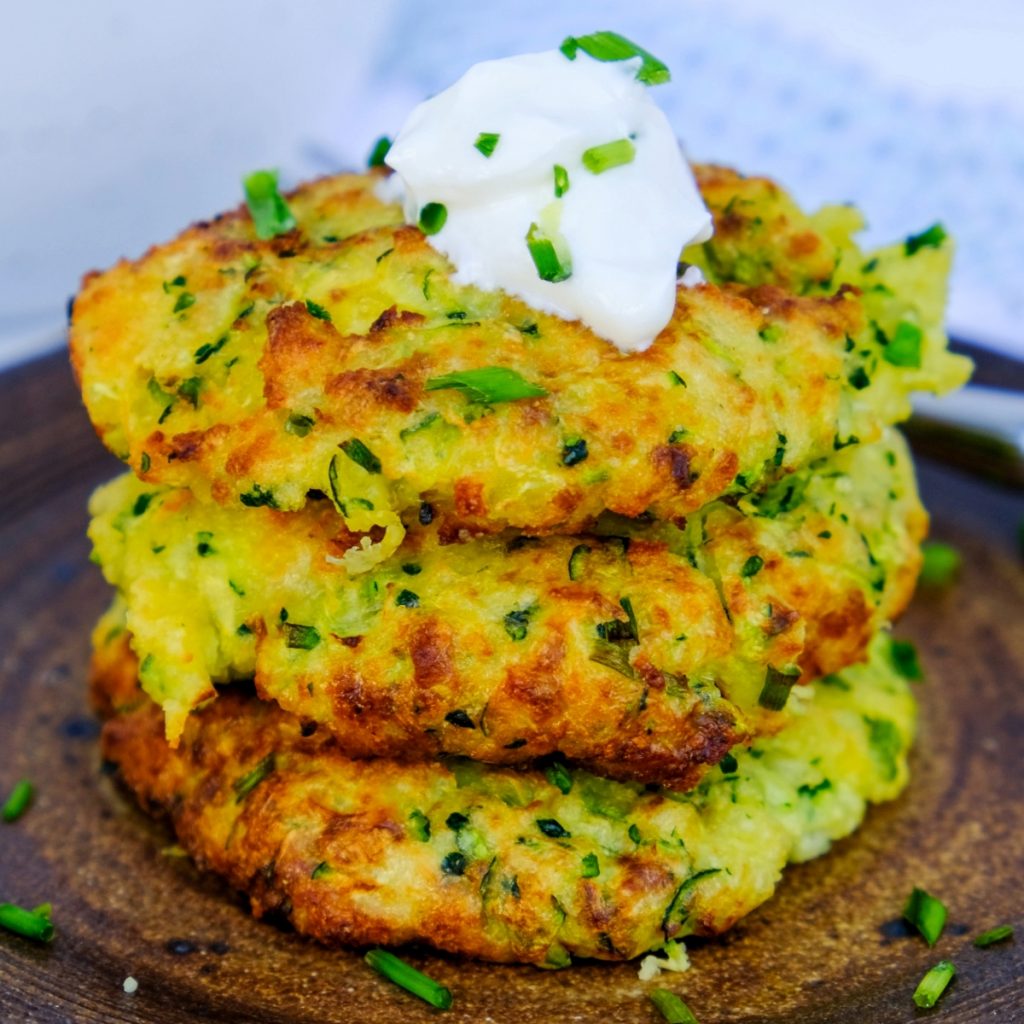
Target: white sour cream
[623,229]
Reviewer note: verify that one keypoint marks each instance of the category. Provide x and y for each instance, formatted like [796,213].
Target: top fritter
[341,358]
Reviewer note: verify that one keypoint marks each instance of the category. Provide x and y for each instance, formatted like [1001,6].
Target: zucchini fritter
[640,653]
[496,863]
[259,372]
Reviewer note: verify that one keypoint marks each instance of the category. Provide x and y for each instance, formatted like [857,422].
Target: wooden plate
[829,948]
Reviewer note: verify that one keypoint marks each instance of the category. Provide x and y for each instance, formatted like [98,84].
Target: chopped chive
[933,984]
[675,380]
[407,599]
[184,300]
[941,564]
[299,425]
[322,869]
[454,864]
[591,866]
[17,803]
[247,783]
[777,684]
[379,152]
[432,218]
[409,978]
[576,561]
[517,623]
[932,238]
[317,310]
[561,181]
[411,568]
[859,379]
[993,935]
[550,266]
[677,435]
[574,451]
[189,390]
[26,923]
[211,348]
[904,348]
[488,384]
[360,455]
[257,496]
[671,1007]
[617,153]
[886,742]
[460,719]
[552,828]
[610,46]
[299,637]
[203,546]
[270,213]
[558,775]
[771,333]
[144,463]
[634,833]
[926,914]
[419,826]
[752,566]
[142,503]
[728,764]
[486,142]
[903,655]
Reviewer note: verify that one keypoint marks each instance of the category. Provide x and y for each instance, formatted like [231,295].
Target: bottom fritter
[536,866]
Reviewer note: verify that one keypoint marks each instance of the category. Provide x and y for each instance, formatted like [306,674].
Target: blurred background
[123,121]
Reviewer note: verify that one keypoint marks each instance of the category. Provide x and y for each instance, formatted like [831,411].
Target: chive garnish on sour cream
[617,153]
[398,971]
[610,46]
[379,152]
[561,181]
[486,143]
[550,265]
[270,213]
[432,218]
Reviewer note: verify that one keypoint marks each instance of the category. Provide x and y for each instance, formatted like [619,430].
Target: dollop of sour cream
[496,147]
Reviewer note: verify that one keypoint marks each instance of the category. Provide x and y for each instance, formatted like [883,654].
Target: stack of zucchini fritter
[453,623]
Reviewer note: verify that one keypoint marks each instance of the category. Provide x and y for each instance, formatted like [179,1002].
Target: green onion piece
[932,238]
[26,923]
[360,455]
[671,1007]
[486,142]
[247,783]
[299,425]
[561,181]
[904,348]
[419,826]
[432,218]
[211,348]
[317,310]
[903,655]
[460,718]
[926,914]
[752,566]
[728,764]
[409,978]
[488,384]
[591,866]
[577,560]
[17,803]
[550,266]
[610,46]
[993,935]
[599,159]
[184,300]
[558,775]
[299,637]
[933,984]
[270,213]
[322,869]
[777,684]
[574,451]
[379,152]
[552,828]
[407,599]
[941,564]
[517,623]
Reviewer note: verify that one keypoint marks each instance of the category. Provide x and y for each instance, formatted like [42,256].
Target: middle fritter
[641,651]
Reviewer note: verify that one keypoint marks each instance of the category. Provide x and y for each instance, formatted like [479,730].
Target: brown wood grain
[827,950]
